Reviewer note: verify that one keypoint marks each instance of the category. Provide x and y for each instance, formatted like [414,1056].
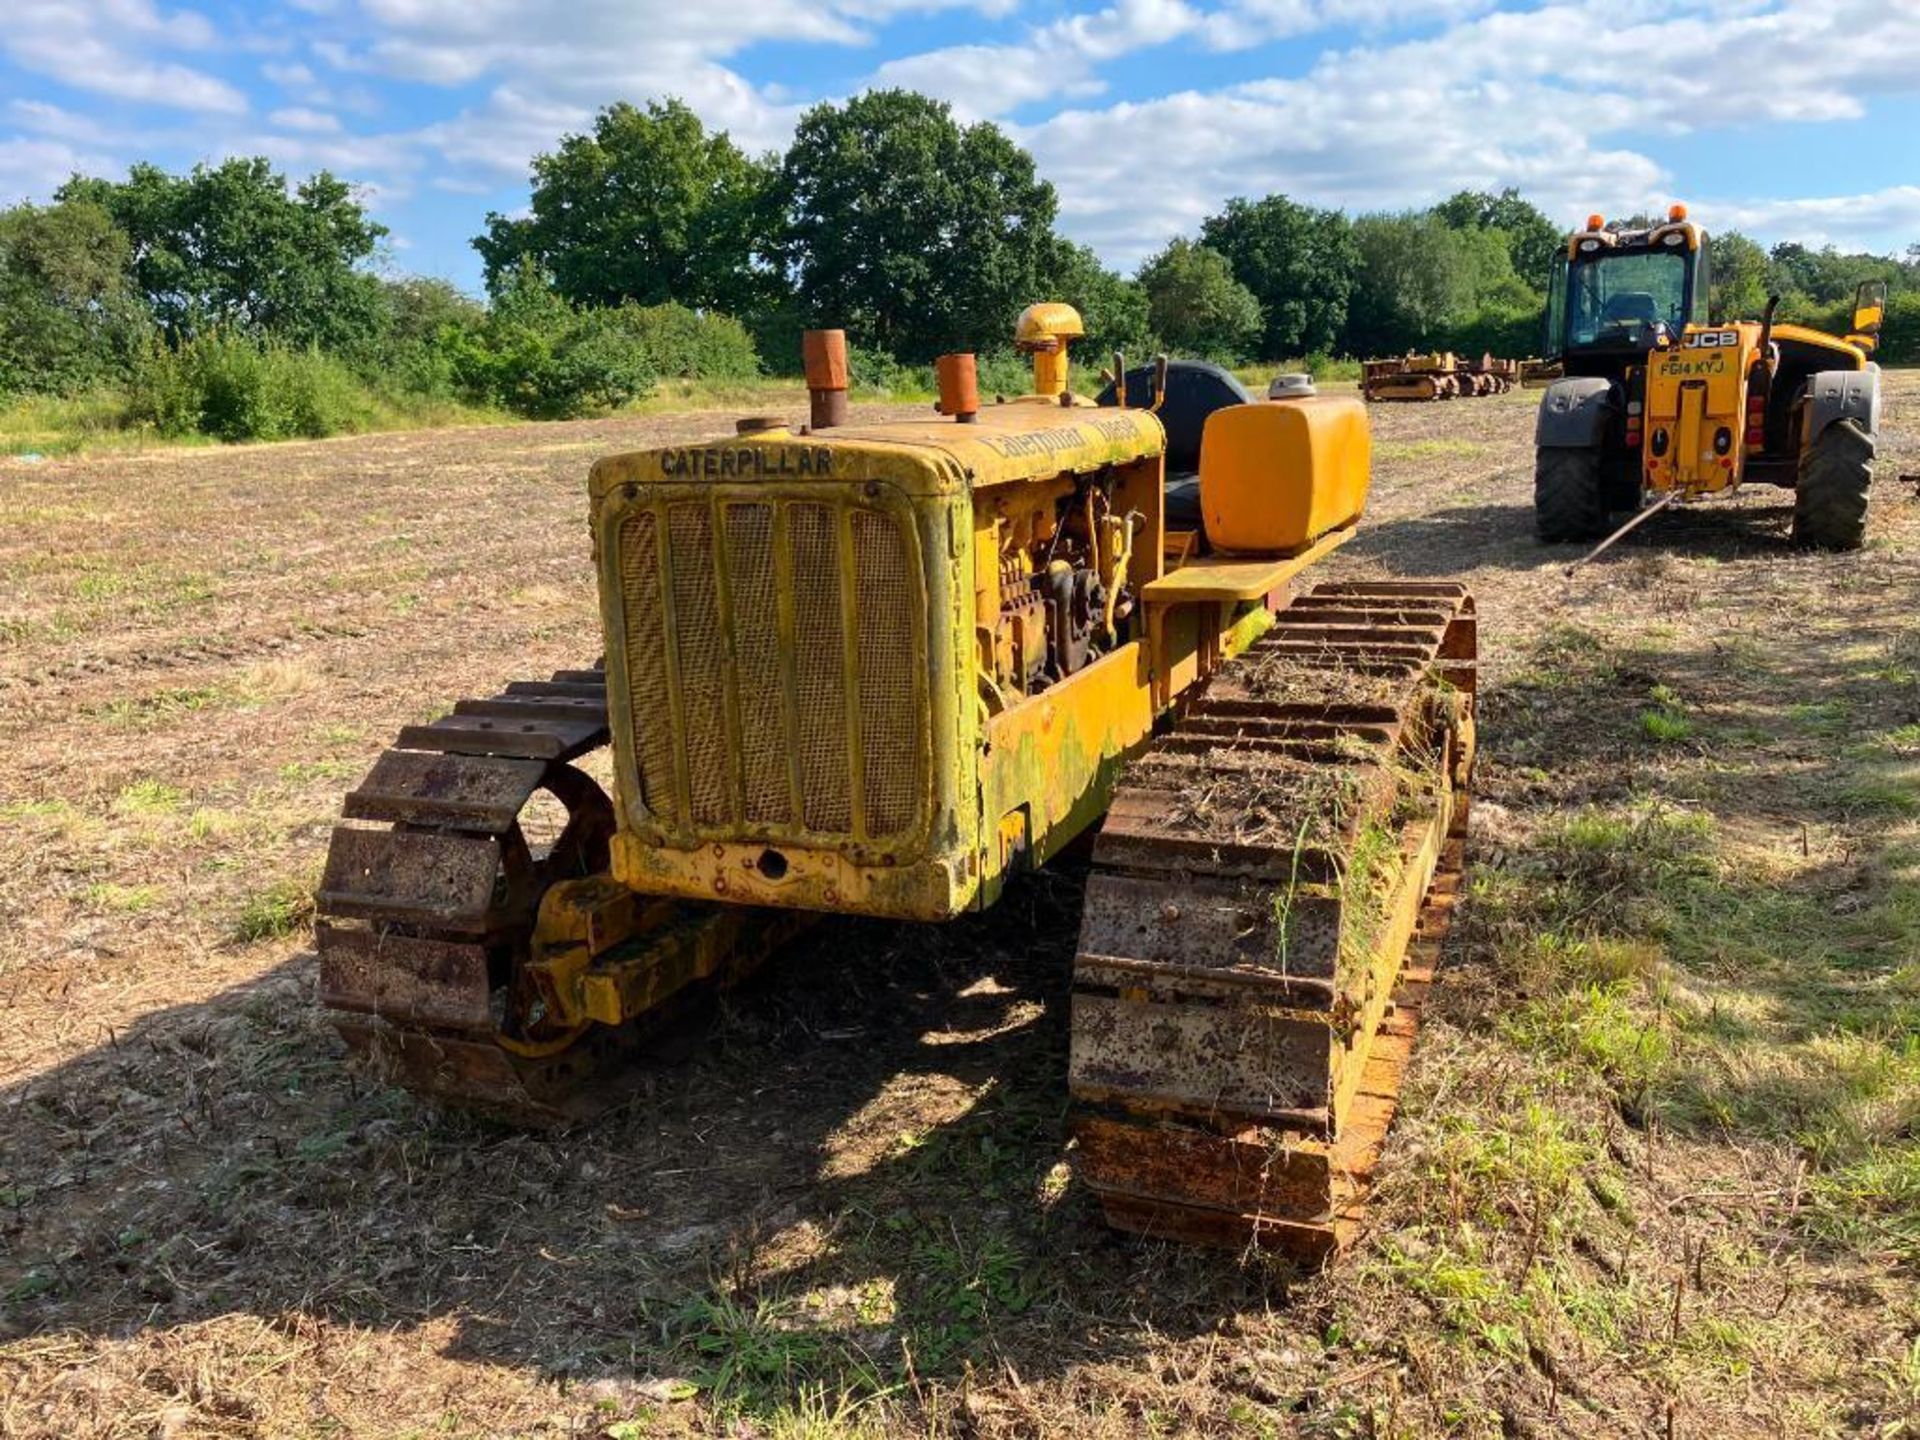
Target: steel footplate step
[474,792]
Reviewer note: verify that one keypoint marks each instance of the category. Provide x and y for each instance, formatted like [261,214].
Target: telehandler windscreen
[1618,299]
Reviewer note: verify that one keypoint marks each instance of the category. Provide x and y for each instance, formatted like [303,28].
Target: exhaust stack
[824,353]
[959,382]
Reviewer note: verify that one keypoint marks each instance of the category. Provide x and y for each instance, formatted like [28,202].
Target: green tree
[1738,270]
[915,233]
[1196,305]
[1411,283]
[1425,284]
[420,307]
[69,315]
[1826,277]
[540,356]
[424,323]
[650,207]
[230,247]
[1796,269]
[1531,238]
[1298,261]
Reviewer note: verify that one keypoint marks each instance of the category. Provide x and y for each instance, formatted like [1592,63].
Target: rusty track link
[427,905]
[1268,899]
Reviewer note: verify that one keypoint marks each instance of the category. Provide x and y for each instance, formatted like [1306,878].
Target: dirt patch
[1655,1167]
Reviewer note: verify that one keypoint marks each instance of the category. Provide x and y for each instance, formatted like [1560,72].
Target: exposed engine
[1060,596]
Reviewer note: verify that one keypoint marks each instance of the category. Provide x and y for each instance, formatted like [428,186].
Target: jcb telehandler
[881,669]
[1658,401]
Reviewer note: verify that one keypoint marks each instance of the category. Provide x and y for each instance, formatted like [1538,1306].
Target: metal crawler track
[428,906]
[431,888]
[1268,897]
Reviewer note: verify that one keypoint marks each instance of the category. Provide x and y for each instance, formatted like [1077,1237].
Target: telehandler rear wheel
[1568,503]
[1830,497]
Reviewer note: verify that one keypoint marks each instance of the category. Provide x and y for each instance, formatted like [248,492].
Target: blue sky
[1790,119]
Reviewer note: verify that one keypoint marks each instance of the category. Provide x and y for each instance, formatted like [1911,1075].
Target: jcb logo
[1710,339]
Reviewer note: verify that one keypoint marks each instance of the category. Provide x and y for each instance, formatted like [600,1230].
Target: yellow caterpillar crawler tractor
[1439,376]
[882,669]
[1411,377]
[1658,403]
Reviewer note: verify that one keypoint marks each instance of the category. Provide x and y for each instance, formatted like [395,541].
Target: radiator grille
[819,645]
[775,651]
[768,778]
[886,729]
[647,656]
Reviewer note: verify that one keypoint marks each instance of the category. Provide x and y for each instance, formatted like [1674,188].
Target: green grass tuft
[1667,720]
[150,797]
[283,908]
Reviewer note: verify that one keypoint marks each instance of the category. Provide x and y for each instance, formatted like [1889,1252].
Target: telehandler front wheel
[1830,496]
[1568,500]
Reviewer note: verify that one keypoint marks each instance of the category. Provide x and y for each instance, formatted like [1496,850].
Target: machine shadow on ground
[855,1171]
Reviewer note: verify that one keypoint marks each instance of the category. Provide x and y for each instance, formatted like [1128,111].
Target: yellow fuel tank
[1277,474]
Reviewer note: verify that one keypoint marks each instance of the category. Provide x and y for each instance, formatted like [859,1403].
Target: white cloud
[299,117]
[1535,98]
[549,78]
[50,120]
[1558,98]
[38,167]
[107,46]
[1848,221]
[1057,61]
[1540,97]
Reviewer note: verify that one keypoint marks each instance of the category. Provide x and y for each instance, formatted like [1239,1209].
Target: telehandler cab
[1658,401]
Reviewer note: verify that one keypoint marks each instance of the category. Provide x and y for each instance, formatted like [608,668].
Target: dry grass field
[1658,1170]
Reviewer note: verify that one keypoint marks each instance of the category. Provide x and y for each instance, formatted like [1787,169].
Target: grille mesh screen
[756,648]
[701,648]
[819,653]
[886,674]
[767,658]
[647,658]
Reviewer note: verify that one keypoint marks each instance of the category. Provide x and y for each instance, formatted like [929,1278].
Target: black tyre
[1620,484]
[1568,503]
[1830,496]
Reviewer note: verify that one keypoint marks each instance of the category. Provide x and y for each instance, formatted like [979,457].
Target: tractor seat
[1630,307]
[1195,389]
